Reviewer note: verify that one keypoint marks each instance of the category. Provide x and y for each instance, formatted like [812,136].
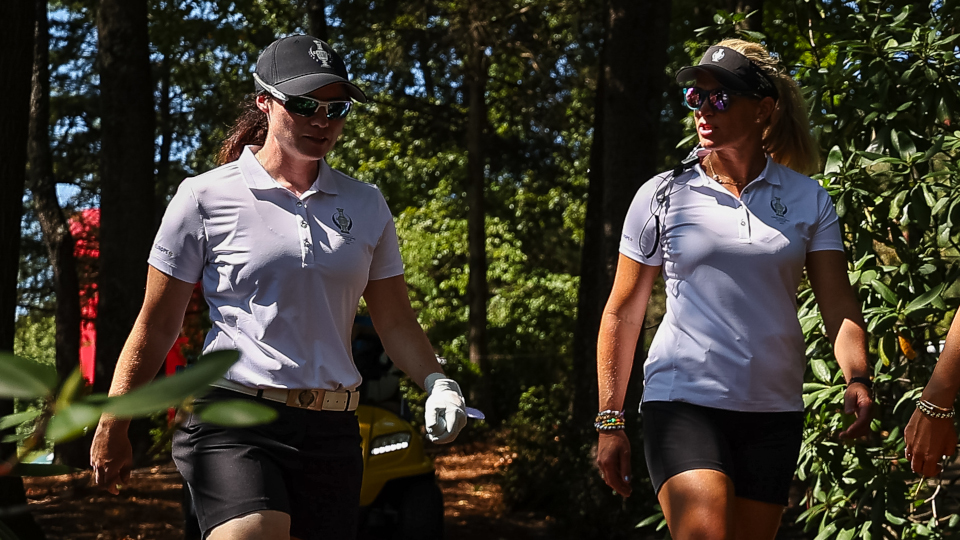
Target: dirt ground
[69,508]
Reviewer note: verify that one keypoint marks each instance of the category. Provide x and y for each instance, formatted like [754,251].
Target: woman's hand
[613,459]
[111,456]
[857,400]
[928,440]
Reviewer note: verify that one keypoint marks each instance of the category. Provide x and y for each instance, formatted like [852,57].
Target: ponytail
[787,136]
[250,128]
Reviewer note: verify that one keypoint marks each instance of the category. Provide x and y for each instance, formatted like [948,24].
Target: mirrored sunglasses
[308,106]
[719,98]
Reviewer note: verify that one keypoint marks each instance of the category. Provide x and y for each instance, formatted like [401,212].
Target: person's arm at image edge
[928,438]
[843,318]
[410,350]
[154,332]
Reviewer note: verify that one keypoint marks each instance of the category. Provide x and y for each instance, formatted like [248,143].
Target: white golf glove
[445,413]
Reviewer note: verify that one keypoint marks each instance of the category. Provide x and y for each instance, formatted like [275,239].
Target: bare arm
[403,338]
[843,319]
[154,332]
[930,438]
[620,328]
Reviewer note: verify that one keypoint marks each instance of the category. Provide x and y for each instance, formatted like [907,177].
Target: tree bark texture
[126,175]
[477,288]
[54,225]
[317,18]
[627,121]
[17,19]
[127,182]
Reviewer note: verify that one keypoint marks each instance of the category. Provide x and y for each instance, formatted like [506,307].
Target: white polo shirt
[730,338]
[282,275]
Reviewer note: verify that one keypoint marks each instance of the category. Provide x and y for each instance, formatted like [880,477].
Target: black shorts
[307,464]
[757,450]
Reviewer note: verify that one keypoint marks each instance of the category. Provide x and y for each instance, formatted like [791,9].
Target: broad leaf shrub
[884,95]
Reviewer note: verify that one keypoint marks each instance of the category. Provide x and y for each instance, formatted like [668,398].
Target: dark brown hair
[250,128]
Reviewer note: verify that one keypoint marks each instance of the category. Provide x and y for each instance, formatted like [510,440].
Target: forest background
[508,137]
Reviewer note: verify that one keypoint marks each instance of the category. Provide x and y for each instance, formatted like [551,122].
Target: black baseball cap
[298,65]
[731,69]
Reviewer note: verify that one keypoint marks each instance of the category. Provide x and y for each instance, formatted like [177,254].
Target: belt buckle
[305,399]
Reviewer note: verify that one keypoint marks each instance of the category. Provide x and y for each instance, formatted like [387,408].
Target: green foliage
[67,413]
[883,83]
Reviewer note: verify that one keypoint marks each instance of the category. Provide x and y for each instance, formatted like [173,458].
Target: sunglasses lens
[691,98]
[719,100]
[338,109]
[301,106]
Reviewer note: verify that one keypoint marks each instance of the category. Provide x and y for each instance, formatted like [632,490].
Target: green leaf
[70,388]
[820,370]
[894,519]
[238,413]
[25,379]
[827,531]
[903,144]
[925,298]
[173,390]
[650,520]
[38,469]
[72,422]
[11,420]
[834,161]
[887,348]
[846,534]
[888,296]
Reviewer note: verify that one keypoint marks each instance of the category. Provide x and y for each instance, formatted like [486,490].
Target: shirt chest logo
[344,223]
[779,210]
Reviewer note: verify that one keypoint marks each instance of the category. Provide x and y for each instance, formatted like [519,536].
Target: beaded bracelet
[609,420]
[933,411]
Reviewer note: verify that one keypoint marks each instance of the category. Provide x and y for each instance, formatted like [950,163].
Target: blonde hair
[787,136]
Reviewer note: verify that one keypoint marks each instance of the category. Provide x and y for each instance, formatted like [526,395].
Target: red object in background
[85,228]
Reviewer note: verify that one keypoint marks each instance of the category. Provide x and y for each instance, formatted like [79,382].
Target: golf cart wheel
[420,511]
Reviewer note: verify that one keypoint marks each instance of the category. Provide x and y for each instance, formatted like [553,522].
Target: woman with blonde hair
[731,234]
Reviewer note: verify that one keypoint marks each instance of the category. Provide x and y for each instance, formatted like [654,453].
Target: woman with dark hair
[285,247]
[731,235]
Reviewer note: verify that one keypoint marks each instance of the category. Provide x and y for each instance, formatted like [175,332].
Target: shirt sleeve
[180,245]
[640,240]
[825,235]
[386,260]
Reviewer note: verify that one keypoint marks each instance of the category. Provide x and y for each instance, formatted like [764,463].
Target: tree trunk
[54,225]
[477,290]
[17,18]
[630,95]
[317,18]
[591,295]
[127,183]
[754,23]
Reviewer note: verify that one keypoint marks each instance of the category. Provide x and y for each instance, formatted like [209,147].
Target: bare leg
[260,525]
[755,520]
[698,505]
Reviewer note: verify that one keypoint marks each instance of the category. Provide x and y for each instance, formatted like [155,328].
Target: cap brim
[305,84]
[724,77]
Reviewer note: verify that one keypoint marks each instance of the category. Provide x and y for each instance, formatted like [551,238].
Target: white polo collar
[258,178]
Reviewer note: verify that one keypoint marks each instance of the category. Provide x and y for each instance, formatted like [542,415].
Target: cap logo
[320,55]
[717,56]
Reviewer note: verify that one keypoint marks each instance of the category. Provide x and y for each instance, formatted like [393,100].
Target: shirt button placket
[744,225]
[306,251]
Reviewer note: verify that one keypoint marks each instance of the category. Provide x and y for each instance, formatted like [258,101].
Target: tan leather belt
[315,399]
